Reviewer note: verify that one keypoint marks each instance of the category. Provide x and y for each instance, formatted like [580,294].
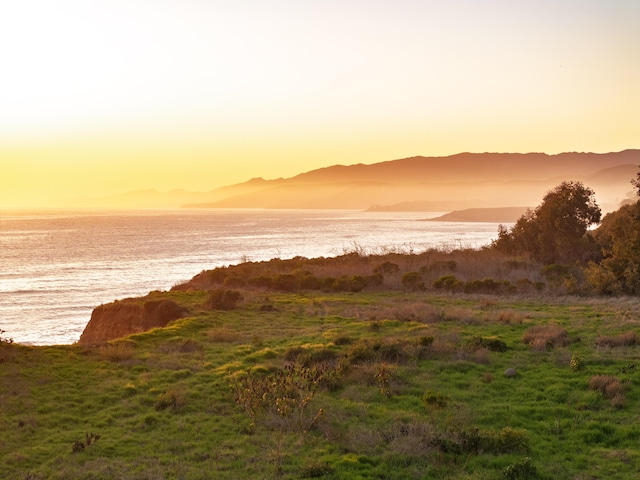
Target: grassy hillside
[381,383]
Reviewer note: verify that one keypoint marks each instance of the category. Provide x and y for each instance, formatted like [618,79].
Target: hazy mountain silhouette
[465,180]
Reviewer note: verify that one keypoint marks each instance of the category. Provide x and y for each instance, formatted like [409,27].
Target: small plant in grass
[90,439]
[433,399]
[173,400]
[522,470]
[383,376]
[130,389]
[577,363]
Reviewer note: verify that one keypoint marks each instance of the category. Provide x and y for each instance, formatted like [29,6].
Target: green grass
[164,403]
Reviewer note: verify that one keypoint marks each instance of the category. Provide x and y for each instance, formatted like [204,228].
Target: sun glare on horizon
[105,97]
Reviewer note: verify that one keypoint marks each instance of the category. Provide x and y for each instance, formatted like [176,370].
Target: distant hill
[465,180]
[495,215]
[430,184]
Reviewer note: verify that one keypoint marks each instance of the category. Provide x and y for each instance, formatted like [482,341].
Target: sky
[99,97]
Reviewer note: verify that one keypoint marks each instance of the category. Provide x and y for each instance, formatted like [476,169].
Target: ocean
[57,266]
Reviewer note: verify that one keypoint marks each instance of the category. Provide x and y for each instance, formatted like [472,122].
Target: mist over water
[55,267]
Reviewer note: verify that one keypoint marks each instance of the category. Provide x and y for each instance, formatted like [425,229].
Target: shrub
[546,337]
[118,351]
[261,281]
[222,299]
[285,283]
[507,440]
[287,392]
[434,399]
[223,335]
[626,339]
[173,399]
[412,281]
[387,268]
[360,352]
[310,282]
[490,343]
[488,285]
[448,282]
[234,281]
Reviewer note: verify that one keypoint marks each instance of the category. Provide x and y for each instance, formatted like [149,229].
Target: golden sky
[99,97]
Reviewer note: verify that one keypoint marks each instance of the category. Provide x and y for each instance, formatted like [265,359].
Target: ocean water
[56,266]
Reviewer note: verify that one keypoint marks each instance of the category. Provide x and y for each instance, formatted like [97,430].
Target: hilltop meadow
[516,361]
[359,366]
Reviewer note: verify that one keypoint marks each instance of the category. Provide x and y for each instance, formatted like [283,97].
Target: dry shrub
[487,377]
[626,339]
[509,317]
[408,312]
[610,387]
[223,335]
[438,348]
[600,382]
[462,315]
[546,337]
[117,352]
[481,356]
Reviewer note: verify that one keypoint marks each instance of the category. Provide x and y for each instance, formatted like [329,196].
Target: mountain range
[462,181]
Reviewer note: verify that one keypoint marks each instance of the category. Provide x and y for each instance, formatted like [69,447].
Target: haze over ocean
[58,266]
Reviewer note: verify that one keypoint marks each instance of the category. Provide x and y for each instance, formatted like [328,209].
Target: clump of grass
[223,335]
[190,346]
[546,337]
[118,351]
[432,399]
[610,387]
[509,317]
[522,470]
[172,399]
[626,339]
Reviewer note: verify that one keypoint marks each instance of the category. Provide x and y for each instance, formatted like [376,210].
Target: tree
[555,231]
[636,183]
[619,239]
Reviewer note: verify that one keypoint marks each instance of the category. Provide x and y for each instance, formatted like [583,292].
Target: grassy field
[336,385]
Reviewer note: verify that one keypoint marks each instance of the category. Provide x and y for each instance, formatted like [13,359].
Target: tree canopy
[555,231]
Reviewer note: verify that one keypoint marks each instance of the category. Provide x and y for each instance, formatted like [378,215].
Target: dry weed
[546,337]
[223,335]
[117,352]
[626,339]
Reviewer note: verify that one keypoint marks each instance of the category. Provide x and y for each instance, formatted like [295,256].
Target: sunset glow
[99,98]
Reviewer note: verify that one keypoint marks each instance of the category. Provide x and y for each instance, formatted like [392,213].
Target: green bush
[447,282]
[412,281]
[491,344]
[222,299]
[434,399]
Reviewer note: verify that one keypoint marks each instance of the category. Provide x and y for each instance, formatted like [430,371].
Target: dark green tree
[619,240]
[555,232]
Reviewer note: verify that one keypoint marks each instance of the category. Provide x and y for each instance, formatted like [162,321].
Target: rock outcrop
[122,318]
